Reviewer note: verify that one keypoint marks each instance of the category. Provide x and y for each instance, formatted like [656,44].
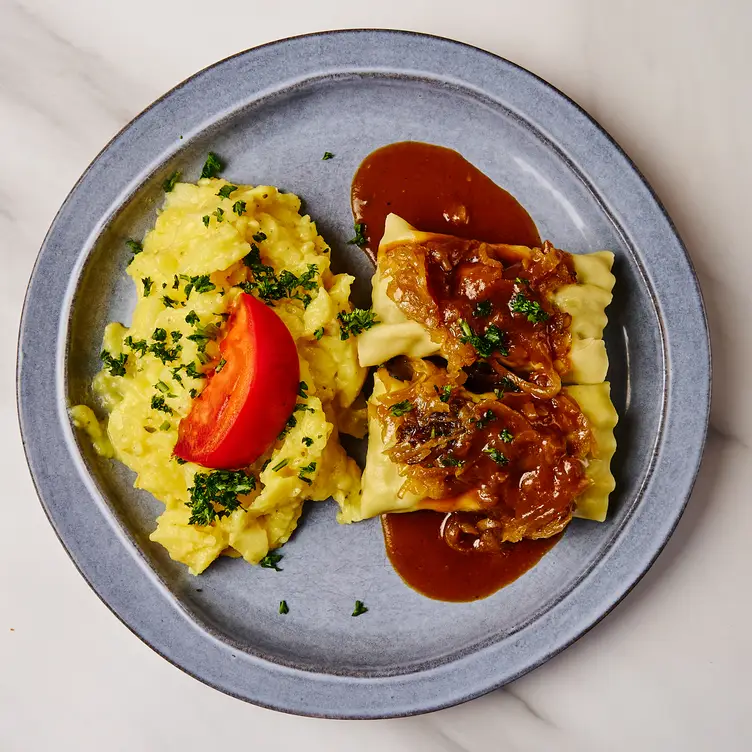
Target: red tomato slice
[245,406]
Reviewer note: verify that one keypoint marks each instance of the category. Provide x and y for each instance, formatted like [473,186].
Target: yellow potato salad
[208,243]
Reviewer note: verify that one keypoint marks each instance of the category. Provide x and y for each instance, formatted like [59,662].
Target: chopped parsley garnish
[270,561]
[308,441]
[280,465]
[176,374]
[192,318]
[484,344]
[176,336]
[309,468]
[270,287]
[487,417]
[496,456]
[169,302]
[259,237]
[299,408]
[226,190]
[137,345]
[158,403]
[193,372]
[239,208]
[283,607]
[360,238]
[165,426]
[483,309]
[170,182]
[214,495]
[302,389]
[449,461]
[530,308]
[147,283]
[200,283]
[359,609]
[222,363]
[327,155]
[135,246]
[506,436]
[355,322]
[318,333]
[444,393]
[522,281]
[193,393]
[219,213]
[203,335]
[212,167]
[401,408]
[160,350]
[180,461]
[116,366]
[206,219]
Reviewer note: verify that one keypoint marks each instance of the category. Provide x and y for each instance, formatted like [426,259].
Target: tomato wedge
[247,403]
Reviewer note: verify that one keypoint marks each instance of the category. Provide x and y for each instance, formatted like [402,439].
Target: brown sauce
[438,190]
[421,557]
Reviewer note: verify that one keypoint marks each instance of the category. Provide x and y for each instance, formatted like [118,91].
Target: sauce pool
[437,190]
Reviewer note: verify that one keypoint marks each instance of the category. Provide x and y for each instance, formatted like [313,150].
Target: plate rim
[426,704]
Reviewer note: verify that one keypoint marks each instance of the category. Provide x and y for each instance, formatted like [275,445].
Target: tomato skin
[244,406]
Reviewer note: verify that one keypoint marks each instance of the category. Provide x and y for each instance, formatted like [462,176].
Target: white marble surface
[669,669]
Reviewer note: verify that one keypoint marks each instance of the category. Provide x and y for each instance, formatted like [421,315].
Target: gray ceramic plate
[271,113]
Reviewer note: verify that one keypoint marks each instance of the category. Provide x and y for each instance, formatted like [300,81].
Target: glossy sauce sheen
[438,190]
[419,554]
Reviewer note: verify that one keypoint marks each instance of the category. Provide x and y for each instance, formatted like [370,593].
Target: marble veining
[667,669]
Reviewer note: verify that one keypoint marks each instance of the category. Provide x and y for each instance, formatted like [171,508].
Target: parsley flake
[137,345]
[215,495]
[206,219]
[530,308]
[259,237]
[302,389]
[308,441]
[444,393]
[360,238]
[239,208]
[116,366]
[283,607]
[498,457]
[158,403]
[148,284]
[318,333]
[271,560]
[327,155]
[135,246]
[485,344]
[355,322]
[212,167]
[280,465]
[226,190]
[360,608]
[171,181]
[222,363]
[401,408]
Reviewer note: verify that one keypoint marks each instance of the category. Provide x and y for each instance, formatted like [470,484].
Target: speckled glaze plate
[271,113]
